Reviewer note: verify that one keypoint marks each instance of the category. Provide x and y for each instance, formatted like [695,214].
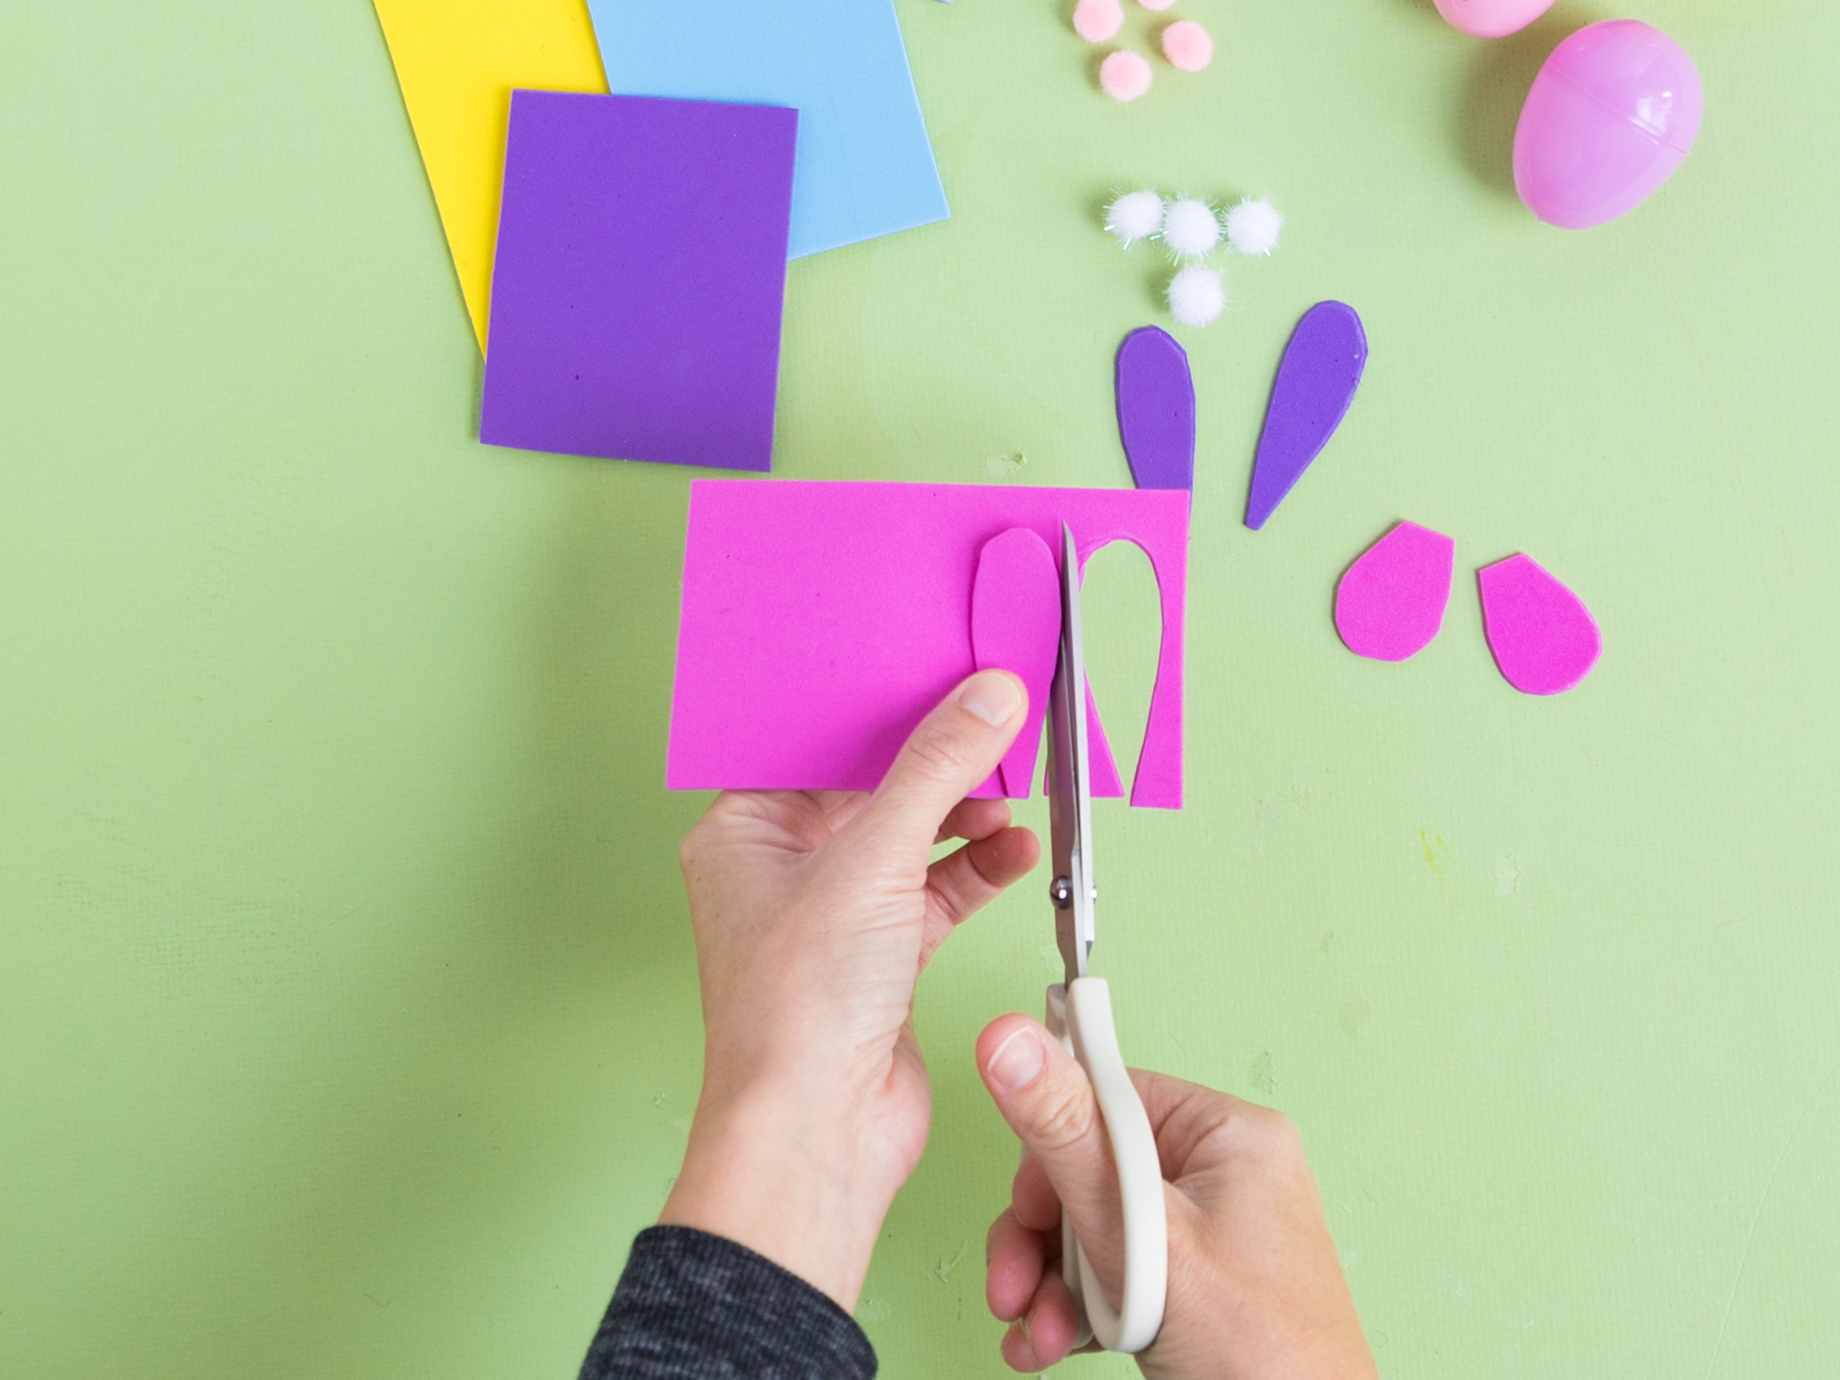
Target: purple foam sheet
[1316,383]
[1156,410]
[639,279]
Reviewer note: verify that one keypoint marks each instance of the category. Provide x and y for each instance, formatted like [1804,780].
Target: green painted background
[348,1022]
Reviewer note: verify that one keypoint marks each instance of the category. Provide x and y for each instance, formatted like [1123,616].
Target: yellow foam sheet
[457,61]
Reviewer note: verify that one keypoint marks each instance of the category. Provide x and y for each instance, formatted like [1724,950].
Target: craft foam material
[1124,75]
[1611,116]
[822,621]
[1096,21]
[610,337]
[457,62]
[1156,409]
[865,167]
[1543,637]
[1390,604]
[1187,46]
[1492,18]
[1016,626]
[1317,380]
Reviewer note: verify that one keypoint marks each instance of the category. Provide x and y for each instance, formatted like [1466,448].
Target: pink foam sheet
[1544,639]
[1390,604]
[822,621]
[1015,625]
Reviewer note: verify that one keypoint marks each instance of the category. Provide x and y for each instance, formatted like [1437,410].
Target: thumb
[951,753]
[1048,1101]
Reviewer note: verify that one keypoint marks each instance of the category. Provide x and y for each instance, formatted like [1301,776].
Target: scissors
[1080,1015]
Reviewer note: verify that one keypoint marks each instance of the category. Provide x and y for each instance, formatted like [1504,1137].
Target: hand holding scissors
[1080,1014]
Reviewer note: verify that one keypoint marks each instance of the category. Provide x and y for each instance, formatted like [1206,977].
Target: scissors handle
[1081,1016]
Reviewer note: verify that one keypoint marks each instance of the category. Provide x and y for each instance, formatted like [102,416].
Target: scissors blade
[1069,792]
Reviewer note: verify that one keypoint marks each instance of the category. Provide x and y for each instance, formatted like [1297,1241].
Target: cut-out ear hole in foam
[1120,610]
[1015,625]
[1390,604]
[1543,637]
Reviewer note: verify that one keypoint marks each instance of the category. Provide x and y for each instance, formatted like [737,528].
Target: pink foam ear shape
[1124,75]
[1187,46]
[1391,602]
[1016,625]
[1097,20]
[1543,637]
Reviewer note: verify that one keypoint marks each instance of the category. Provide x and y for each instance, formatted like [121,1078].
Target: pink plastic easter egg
[1612,114]
[1492,18]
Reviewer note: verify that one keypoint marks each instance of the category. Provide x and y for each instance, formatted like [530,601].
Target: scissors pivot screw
[1060,891]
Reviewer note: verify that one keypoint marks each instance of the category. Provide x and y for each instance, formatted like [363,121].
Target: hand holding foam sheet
[821,621]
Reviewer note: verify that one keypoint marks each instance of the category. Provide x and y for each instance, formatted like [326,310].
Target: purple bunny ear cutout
[1316,382]
[1156,410]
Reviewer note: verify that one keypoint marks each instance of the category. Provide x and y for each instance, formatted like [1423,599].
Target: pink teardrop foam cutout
[1016,625]
[1543,637]
[1391,602]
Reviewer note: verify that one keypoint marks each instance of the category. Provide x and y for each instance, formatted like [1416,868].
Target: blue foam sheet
[865,167]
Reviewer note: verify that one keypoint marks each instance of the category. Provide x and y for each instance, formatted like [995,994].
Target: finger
[974,819]
[963,882]
[952,752]
[1186,1117]
[840,807]
[1033,1200]
[1014,1258]
[1045,1335]
[1048,1101]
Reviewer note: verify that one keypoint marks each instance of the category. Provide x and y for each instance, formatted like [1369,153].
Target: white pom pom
[1196,296]
[1135,216]
[1253,226]
[1191,228]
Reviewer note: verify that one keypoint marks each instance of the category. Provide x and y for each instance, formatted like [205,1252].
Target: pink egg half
[1612,114]
[1492,18]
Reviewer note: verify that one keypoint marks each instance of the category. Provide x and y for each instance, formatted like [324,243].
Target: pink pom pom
[1124,75]
[1156,4]
[1097,20]
[1187,46]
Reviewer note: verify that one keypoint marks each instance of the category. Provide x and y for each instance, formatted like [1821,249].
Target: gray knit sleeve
[691,1306]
